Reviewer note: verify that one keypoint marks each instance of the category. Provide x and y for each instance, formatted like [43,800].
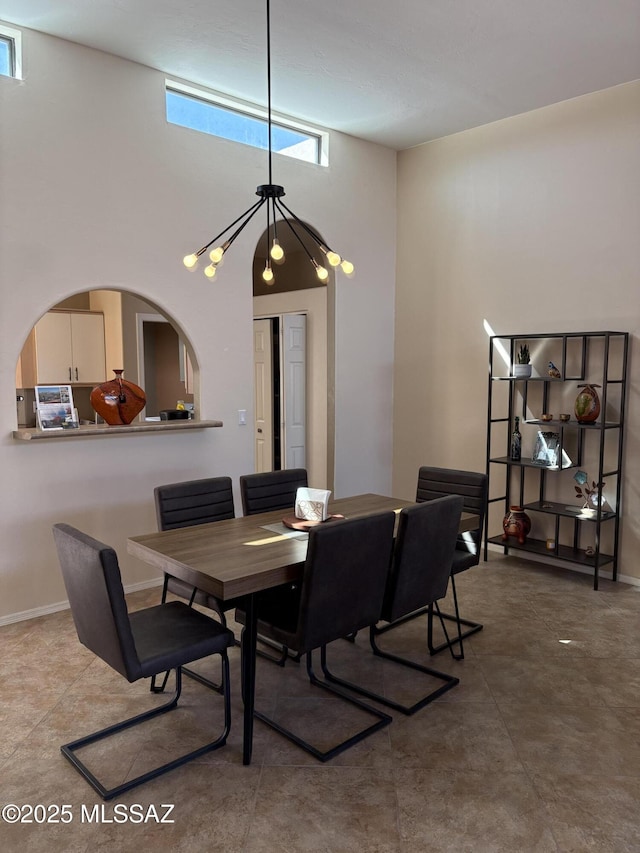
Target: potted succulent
[522,367]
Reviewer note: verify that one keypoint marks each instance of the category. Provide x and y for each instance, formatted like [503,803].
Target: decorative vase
[118,401]
[522,371]
[516,523]
[587,405]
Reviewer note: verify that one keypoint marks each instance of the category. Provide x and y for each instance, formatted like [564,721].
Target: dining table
[241,557]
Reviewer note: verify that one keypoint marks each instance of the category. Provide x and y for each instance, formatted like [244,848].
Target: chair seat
[172,634]
[463,560]
[278,610]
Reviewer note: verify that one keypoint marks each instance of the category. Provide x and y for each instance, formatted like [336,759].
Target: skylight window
[197,110]
[10,52]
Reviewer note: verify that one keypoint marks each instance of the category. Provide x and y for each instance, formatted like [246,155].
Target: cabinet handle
[76,374]
[69,374]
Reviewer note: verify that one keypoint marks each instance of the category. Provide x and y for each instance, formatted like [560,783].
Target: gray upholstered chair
[473,488]
[185,505]
[271,490]
[137,645]
[341,591]
[418,578]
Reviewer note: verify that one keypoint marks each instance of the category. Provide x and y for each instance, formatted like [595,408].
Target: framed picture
[54,406]
[546,449]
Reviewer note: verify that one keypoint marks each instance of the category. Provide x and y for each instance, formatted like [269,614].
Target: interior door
[294,369]
[263,404]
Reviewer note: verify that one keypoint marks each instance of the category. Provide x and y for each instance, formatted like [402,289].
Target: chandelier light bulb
[322,273]
[210,271]
[333,258]
[190,261]
[277,252]
[268,275]
[347,267]
[216,254]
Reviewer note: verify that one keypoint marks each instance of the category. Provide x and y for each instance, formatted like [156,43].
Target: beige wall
[531,224]
[100,192]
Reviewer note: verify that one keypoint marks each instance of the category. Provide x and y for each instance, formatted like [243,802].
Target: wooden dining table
[243,556]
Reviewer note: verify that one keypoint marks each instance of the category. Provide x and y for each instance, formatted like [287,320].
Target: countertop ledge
[102,430]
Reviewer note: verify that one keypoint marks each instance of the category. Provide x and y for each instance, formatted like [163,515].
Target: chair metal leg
[449,680]
[69,749]
[474,627]
[382,719]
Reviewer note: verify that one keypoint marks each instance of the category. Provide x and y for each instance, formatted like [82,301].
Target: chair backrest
[470,485]
[421,564]
[194,502]
[271,490]
[344,578]
[94,588]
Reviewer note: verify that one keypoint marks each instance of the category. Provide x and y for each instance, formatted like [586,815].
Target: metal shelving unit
[581,357]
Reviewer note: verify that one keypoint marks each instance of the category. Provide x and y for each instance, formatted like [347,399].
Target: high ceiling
[398,73]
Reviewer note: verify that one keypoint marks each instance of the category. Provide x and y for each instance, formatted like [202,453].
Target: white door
[263,385]
[294,368]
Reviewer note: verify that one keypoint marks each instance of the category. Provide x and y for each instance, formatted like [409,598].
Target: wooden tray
[300,524]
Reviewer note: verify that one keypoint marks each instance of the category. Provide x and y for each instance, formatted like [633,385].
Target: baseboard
[561,564]
[64,605]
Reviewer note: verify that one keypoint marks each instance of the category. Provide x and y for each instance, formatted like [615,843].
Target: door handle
[76,374]
[69,374]
[259,429]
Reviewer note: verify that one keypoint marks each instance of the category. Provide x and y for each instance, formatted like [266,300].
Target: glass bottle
[516,442]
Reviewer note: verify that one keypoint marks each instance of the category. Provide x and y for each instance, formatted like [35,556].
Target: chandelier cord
[269,82]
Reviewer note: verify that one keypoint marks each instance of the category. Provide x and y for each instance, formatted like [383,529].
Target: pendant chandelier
[271,196]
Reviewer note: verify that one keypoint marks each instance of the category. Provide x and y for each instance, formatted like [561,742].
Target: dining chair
[473,488]
[418,578]
[185,505]
[271,490]
[136,645]
[341,591]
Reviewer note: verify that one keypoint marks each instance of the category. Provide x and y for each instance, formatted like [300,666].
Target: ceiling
[398,73]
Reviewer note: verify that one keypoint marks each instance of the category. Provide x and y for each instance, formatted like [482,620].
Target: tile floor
[537,749]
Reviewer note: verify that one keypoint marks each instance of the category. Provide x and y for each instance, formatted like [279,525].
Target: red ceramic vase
[118,401]
[516,523]
[587,405]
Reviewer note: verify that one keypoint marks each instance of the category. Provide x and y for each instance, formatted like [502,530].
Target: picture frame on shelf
[54,407]
[546,452]
[546,449]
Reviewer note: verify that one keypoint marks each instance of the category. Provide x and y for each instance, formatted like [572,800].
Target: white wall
[98,191]
[533,224]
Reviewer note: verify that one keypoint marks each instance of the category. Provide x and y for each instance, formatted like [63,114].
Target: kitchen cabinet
[66,347]
[539,481]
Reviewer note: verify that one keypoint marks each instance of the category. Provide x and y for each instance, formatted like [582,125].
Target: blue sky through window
[211,118]
[5,57]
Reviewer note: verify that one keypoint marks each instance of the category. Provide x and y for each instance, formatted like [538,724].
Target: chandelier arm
[309,231]
[256,208]
[250,210]
[296,235]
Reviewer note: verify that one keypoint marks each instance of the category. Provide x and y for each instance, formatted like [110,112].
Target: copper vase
[118,401]
[516,523]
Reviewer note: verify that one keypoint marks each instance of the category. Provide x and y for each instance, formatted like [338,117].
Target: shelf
[553,508]
[577,360]
[574,424]
[104,430]
[527,463]
[561,552]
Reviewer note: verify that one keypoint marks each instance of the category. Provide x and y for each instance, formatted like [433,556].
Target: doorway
[280,403]
[163,365]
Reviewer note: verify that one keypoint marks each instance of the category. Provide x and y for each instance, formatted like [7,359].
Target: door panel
[263,390]
[295,405]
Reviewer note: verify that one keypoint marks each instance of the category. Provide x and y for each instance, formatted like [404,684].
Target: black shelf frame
[514,486]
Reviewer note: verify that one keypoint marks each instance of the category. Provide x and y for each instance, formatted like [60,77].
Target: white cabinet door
[87,346]
[54,359]
[70,348]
